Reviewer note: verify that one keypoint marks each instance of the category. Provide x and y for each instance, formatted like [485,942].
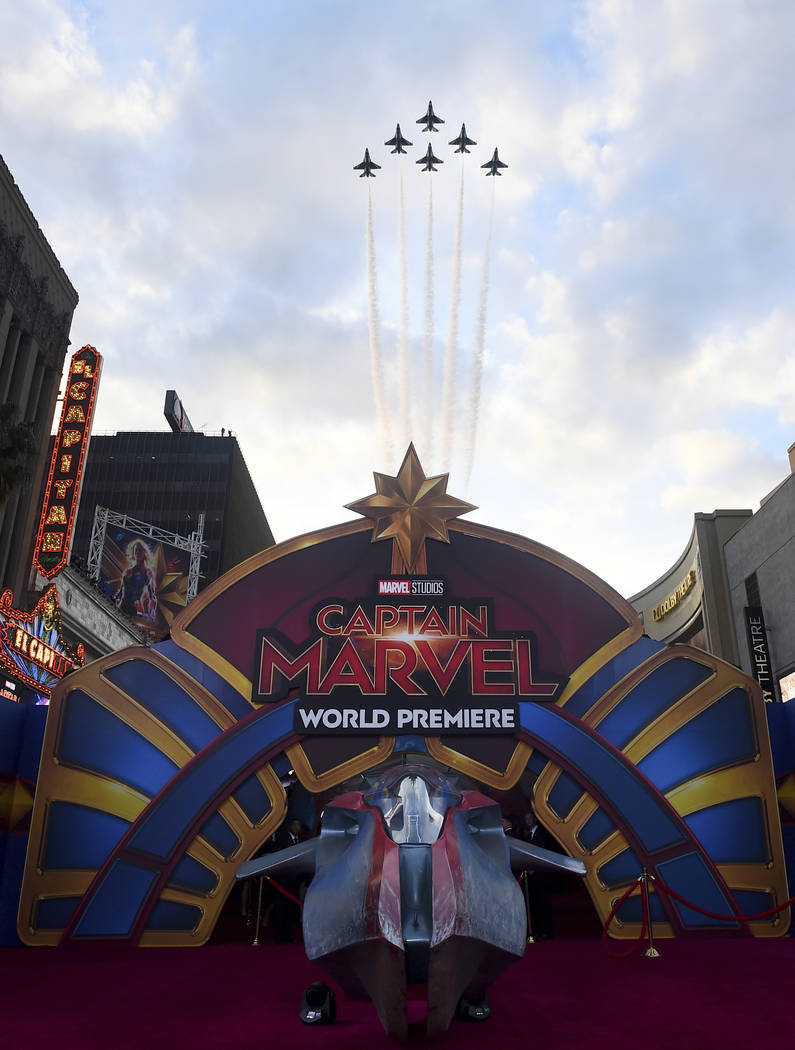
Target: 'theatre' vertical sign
[62,494]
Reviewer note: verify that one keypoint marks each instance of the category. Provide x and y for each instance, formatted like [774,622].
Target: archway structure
[501,658]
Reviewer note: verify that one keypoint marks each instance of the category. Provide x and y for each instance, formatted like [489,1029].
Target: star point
[409,509]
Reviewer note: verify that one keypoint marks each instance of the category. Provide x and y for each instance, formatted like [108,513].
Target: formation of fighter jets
[429,120]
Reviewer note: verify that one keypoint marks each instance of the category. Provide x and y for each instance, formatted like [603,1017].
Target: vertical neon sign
[61,495]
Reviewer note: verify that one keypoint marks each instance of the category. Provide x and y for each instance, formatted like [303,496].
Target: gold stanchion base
[531,940]
[652,953]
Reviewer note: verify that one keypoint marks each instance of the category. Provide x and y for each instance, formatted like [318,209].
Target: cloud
[192,168]
[54,74]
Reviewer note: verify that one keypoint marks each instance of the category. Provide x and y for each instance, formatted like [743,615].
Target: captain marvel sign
[144,577]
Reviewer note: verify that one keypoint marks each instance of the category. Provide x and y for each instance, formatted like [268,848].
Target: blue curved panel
[732,832]
[92,738]
[538,760]
[752,902]
[616,779]
[211,680]
[80,837]
[112,909]
[174,915]
[690,877]
[161,695]
[159,830]
[581,702]
[632,909]
[650,697]
[220,835]
[723,735]
[123,890]
[565,792]
[596,829]
[253,799]
[621,870]
[192,875]
[53,913]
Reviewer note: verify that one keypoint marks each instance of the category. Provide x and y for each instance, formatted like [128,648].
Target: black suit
[539,883]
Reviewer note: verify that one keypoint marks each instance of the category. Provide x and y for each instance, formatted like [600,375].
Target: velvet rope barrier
[284,892]
[661,886]
[636,943]
[743,919]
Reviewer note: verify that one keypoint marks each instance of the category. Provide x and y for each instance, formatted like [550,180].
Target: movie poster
[145,578]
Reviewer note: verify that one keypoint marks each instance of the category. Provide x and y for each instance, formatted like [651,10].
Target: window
[752,590]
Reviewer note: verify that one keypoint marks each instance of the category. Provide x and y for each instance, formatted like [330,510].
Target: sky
[624,290]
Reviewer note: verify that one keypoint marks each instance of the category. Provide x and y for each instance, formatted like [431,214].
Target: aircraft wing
[294,860]
[524,855]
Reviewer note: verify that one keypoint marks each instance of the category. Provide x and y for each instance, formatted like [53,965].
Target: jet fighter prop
[413,886]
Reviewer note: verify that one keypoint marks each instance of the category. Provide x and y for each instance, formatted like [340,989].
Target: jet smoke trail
[404,344]
[479,348]
[451,352]
[374,325]
[427,343]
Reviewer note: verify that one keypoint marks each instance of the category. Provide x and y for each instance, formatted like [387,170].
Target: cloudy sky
[190,162]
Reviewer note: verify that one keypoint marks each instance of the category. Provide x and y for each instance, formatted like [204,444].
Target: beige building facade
[690,602]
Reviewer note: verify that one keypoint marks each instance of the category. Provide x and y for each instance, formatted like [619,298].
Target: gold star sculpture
[409,509]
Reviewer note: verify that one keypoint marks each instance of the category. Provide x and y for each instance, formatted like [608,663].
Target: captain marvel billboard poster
[145,578]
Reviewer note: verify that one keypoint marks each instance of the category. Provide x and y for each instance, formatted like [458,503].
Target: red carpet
[564,993]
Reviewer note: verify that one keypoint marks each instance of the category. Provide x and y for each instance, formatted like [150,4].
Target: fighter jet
[366,167]
[493,164]
[462,141]
[412,885]
[398,141]
[429,160]
[430,119]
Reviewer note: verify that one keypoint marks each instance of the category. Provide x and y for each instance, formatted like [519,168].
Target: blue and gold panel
[692,733]
[124,733]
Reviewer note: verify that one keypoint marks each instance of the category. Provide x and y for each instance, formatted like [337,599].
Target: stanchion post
[651,952]
[530,939]
[255,942]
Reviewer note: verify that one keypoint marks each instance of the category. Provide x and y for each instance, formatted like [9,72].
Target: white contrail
[427,343]
[451,351]
[479,348]
[404,344]
[374,324]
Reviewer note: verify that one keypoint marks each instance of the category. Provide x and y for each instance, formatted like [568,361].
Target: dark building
[37,301]
[168,480]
